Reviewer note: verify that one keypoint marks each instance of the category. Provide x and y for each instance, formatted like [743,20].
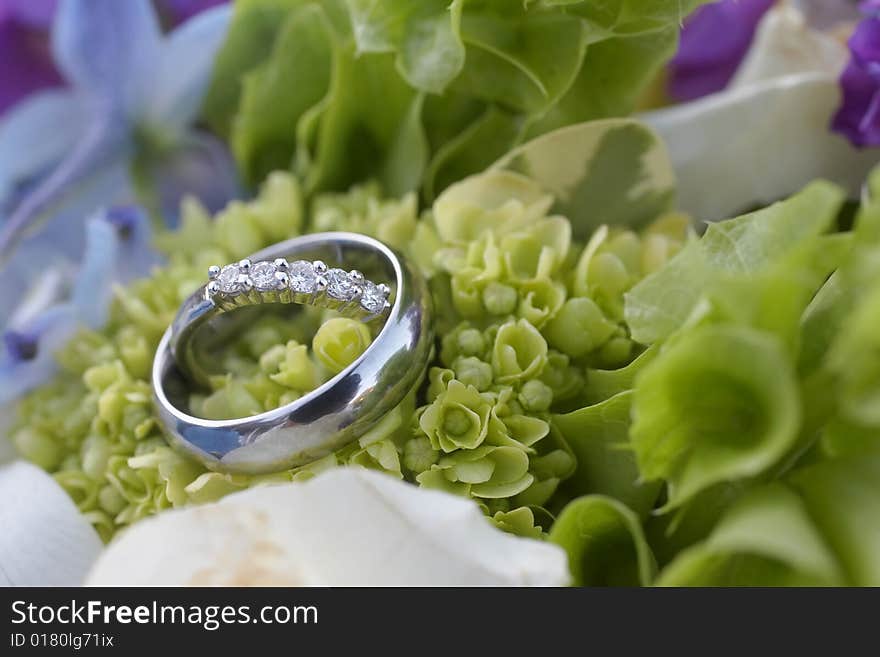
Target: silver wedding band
[354,274]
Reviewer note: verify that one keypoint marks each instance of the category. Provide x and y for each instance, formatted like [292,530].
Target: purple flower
[858,118]
[176,12]
[25,58]
[713,43]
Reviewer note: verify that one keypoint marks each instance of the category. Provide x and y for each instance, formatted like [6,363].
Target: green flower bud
[233,400]
[101,377]
[509,474]
[656,251]
[211,486]
[609,274]
[462,341]
[339,342]
[110,500]
[519,429]
[296,370]
[615,353]
[579,327]
[94,456]
[499,299]
[380,455]
[540,300]
[237,232]
[136,352]
[519,521]
[519,353]
[535,396]
[277,210]
[272,358]
[262,337]
[438,379]
[458,418]
[473,372]
[564,379]
[467,293]
[471,342]
[627,246]
[418,455]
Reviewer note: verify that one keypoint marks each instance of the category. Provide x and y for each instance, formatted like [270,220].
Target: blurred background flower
[108,116]
[718,38]
[25,59]
[859,116]
[26,63]
[714,41]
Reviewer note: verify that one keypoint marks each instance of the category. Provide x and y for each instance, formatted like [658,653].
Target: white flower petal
[758,144]
[785,44]
[45,540]
[346,527]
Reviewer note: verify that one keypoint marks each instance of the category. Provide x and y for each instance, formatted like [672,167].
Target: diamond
[229,280]
[263,276]
[303,277]
[340,285]
[372,299]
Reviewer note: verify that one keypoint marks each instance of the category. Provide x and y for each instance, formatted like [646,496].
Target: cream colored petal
[757,144]
[346,527]
[785,44]
[44,539]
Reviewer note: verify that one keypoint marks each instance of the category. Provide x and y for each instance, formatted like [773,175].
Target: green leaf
[599,437]
[629,15]
[612,172]
[425,35]
[661,303]
[250,39]
[720,403]
[303,56]
[604,384]
[521,59]
[843,497]
[767,539]
[354,138]
[443,87]
[816,528]
[473,149]
[604,542]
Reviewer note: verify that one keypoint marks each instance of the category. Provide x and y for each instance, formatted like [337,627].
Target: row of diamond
[301,278]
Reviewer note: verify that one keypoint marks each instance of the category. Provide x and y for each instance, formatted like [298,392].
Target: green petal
[719,404]
[662,302]
[767,538]
[604,542]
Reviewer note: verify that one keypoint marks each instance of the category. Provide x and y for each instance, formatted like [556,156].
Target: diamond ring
[312,283]
[337,412]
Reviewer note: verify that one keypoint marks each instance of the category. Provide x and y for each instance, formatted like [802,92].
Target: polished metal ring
[354,274]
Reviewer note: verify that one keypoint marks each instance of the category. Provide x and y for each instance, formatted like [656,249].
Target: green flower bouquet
[647,399]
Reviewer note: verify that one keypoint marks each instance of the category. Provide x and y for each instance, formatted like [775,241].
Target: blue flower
[64,297]
[119,131]
[124,120]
